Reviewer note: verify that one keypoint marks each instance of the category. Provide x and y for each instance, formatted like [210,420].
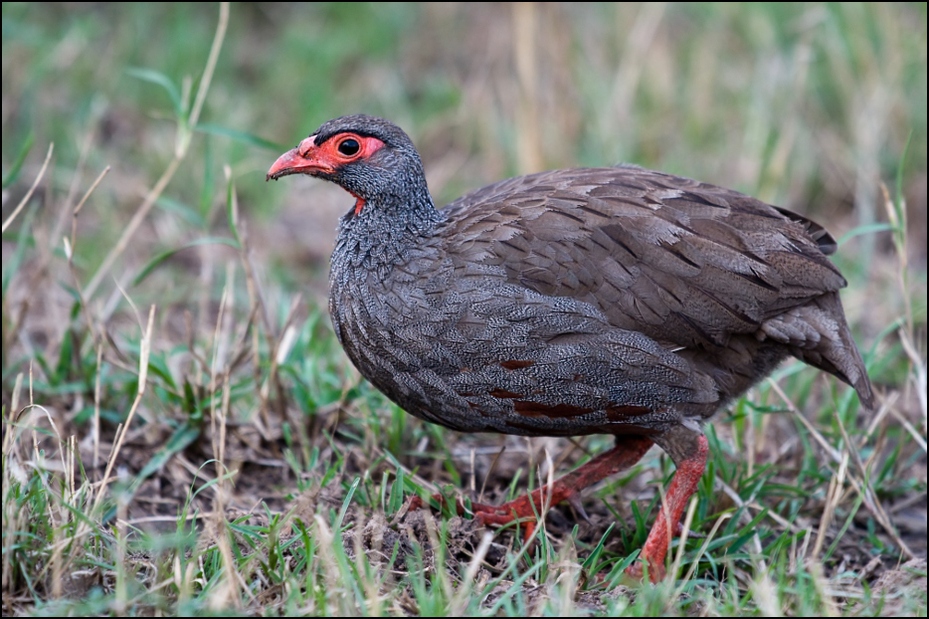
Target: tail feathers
[845,362]
[818,334]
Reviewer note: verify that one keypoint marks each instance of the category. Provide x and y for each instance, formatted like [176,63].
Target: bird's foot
[528,509]
[524,511]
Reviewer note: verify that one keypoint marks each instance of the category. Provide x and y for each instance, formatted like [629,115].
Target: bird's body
[601,300]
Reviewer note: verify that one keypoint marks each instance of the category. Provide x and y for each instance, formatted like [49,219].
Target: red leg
[683,485]
[628,451]
[686,447]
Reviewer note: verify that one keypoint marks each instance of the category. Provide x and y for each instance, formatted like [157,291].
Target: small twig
[215,362]
[918,377]
[876,421]
[95,431]
[134,522]
[703,547]
[13,331]
[145,348]
[69,252]
[210,64]
[833,498]
[682,539]
[22,203]
[493,466]
[829,449]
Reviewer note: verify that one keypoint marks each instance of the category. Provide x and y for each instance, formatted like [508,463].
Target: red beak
[304,159]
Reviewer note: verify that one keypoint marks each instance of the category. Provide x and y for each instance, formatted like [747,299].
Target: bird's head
[369,157]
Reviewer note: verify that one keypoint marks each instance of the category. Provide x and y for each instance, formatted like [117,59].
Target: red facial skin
[325,159]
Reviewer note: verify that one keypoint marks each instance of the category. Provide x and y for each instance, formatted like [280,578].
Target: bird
[614,300]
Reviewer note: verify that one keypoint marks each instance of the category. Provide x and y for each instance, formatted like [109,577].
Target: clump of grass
[182,434]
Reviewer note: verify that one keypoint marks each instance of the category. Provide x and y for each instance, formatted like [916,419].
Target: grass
[182,434]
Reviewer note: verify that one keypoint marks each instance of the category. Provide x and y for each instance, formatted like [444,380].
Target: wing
[680,261]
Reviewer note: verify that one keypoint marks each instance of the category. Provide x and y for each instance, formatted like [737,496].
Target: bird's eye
[349,147]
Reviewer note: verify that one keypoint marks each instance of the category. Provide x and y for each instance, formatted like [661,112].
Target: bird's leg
[689,450]
[627,451]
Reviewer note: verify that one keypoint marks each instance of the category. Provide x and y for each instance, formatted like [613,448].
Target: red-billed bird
[615,301]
